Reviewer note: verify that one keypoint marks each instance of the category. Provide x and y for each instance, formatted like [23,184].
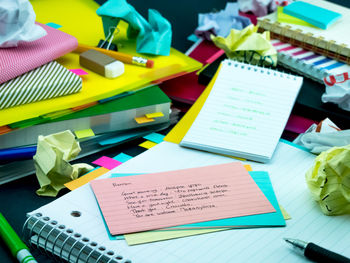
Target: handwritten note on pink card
[153,201]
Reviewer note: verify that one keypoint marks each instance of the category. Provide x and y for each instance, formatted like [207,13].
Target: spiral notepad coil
[309,41]
[259,69]
[59,242]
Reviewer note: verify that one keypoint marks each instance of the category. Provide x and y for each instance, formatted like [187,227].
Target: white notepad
[245,112]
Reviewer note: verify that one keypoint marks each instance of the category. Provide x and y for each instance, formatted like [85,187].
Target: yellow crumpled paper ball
[329,180]
[52,165]
[249,46]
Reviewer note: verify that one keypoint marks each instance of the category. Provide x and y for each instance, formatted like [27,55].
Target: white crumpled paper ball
[17,23]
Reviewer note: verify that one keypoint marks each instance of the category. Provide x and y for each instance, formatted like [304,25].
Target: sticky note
[154,115]
[72,185]
[121,138]
[315,15]
[78,71]
[122,157]
[107,162]
[154,137]
[148,144]
[143,119]
[54,25]
[5,129]
[84,133]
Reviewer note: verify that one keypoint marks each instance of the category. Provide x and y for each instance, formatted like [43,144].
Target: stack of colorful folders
[102,105]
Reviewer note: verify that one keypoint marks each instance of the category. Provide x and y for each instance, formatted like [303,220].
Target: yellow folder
[79,19]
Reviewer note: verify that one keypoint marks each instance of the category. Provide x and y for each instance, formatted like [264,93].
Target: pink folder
[27,56]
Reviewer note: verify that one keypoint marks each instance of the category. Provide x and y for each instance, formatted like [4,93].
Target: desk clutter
[221,184]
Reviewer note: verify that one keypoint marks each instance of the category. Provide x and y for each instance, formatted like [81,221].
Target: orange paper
[154,201]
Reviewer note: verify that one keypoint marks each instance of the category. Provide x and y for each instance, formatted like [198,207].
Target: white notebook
[60,229]
[245,112]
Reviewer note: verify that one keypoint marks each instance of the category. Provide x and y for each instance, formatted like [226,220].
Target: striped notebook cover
[16,61]
[48,81]
[306,62]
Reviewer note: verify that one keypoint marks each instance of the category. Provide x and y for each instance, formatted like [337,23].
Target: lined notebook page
[286,169]
[245,112]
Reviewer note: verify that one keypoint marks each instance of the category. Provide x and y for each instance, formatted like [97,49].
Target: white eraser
[114,69]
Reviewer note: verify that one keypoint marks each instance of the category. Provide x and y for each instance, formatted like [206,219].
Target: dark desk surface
[18,197]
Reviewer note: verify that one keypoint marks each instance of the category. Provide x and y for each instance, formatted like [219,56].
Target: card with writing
[153,201]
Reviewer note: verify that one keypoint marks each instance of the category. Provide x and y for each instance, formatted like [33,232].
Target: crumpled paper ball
[248,46]
[338,90]
[257,7]
[329,180]
[17,23]
[52,165]
[152,36]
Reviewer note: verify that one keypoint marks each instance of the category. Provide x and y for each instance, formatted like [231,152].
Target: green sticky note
[84,133]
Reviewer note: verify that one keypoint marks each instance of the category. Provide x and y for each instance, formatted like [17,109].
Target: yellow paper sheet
[147,144]
[155,115]
[79,19]
[153,236]
[286,216]
[181,128]
[72,185]
[84,133]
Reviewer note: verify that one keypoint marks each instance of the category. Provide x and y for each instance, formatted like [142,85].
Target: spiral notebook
[245,112]
[333,42]
[72,226]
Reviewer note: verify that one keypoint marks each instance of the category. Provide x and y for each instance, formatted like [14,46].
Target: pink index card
[107,162]
[153,201]
[78,71]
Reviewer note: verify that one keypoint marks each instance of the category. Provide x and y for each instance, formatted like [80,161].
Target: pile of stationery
[94,92]
[222,177]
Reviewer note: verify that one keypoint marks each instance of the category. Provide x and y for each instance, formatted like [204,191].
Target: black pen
[317,253]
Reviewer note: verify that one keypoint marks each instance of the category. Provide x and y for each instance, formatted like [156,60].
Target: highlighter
[17,247]
[101,64]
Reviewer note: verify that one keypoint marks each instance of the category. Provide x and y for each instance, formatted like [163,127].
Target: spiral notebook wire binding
[63,244]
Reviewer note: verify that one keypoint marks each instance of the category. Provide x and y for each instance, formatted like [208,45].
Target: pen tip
[288,240]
